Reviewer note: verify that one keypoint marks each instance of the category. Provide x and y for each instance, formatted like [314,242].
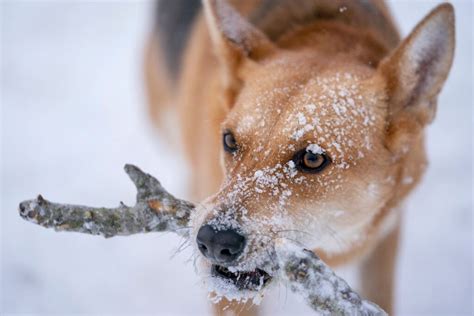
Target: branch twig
[325,292]
[155,211]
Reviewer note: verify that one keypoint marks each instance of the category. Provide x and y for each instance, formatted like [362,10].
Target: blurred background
[73,113]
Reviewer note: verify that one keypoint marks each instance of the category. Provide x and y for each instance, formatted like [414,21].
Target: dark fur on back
[173,22]
[277,17]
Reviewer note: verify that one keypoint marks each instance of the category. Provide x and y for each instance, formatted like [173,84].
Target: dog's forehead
[337,110]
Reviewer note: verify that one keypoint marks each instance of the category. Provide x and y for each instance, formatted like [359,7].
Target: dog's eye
[230,145]
[309,161]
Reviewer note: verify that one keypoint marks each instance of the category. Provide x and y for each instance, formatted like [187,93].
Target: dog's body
[322,112]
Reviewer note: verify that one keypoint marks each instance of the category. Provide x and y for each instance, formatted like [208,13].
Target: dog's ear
[235,39]
[415,74]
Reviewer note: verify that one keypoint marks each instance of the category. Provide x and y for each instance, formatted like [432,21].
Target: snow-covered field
[73,113]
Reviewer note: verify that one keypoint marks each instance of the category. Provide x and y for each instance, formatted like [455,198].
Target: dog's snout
[221,246]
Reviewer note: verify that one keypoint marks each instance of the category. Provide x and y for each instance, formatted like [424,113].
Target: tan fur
[157,84]
[257,82]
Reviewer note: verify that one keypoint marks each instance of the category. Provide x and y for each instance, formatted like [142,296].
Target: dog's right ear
[235,40]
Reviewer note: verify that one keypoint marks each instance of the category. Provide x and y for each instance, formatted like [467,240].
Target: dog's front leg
[378,271]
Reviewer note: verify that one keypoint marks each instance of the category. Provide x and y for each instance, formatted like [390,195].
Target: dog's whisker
[264,235]
[182,246]
[284,237]
[271,257]
[195,259]
[295,241]
[341,242]
[293,230]
[203,206]
[185,241]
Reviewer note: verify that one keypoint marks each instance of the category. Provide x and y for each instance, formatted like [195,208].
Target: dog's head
[313,146]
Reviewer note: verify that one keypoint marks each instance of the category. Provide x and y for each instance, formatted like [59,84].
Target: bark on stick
[155,210]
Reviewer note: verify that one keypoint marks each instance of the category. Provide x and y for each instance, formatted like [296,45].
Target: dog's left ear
[235,40]
[415,74]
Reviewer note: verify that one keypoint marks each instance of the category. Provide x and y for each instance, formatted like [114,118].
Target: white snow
[315,149]
[73,114]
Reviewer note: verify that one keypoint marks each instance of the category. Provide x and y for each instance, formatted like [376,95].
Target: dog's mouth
[243,280]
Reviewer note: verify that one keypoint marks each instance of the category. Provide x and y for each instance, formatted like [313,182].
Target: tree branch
[325,292]
[155,210]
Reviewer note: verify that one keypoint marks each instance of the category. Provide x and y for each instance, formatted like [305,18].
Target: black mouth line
[243,280]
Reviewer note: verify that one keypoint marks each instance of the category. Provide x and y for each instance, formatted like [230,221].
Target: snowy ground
[73,113]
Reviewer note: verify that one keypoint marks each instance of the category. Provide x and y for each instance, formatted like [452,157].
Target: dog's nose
[221,246]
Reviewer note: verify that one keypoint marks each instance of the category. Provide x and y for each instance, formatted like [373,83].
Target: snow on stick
[155,210]
[326,293]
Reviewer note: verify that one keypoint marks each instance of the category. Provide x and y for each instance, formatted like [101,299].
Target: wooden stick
[326,293]
[155,211]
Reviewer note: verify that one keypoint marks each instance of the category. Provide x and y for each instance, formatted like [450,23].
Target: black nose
[221,246]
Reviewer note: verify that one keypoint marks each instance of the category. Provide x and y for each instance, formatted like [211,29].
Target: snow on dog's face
[314,144]
[308,155]
[304,159]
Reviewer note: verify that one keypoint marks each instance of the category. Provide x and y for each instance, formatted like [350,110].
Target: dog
[301,120]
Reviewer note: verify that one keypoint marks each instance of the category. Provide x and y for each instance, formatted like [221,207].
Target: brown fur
[233,71]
